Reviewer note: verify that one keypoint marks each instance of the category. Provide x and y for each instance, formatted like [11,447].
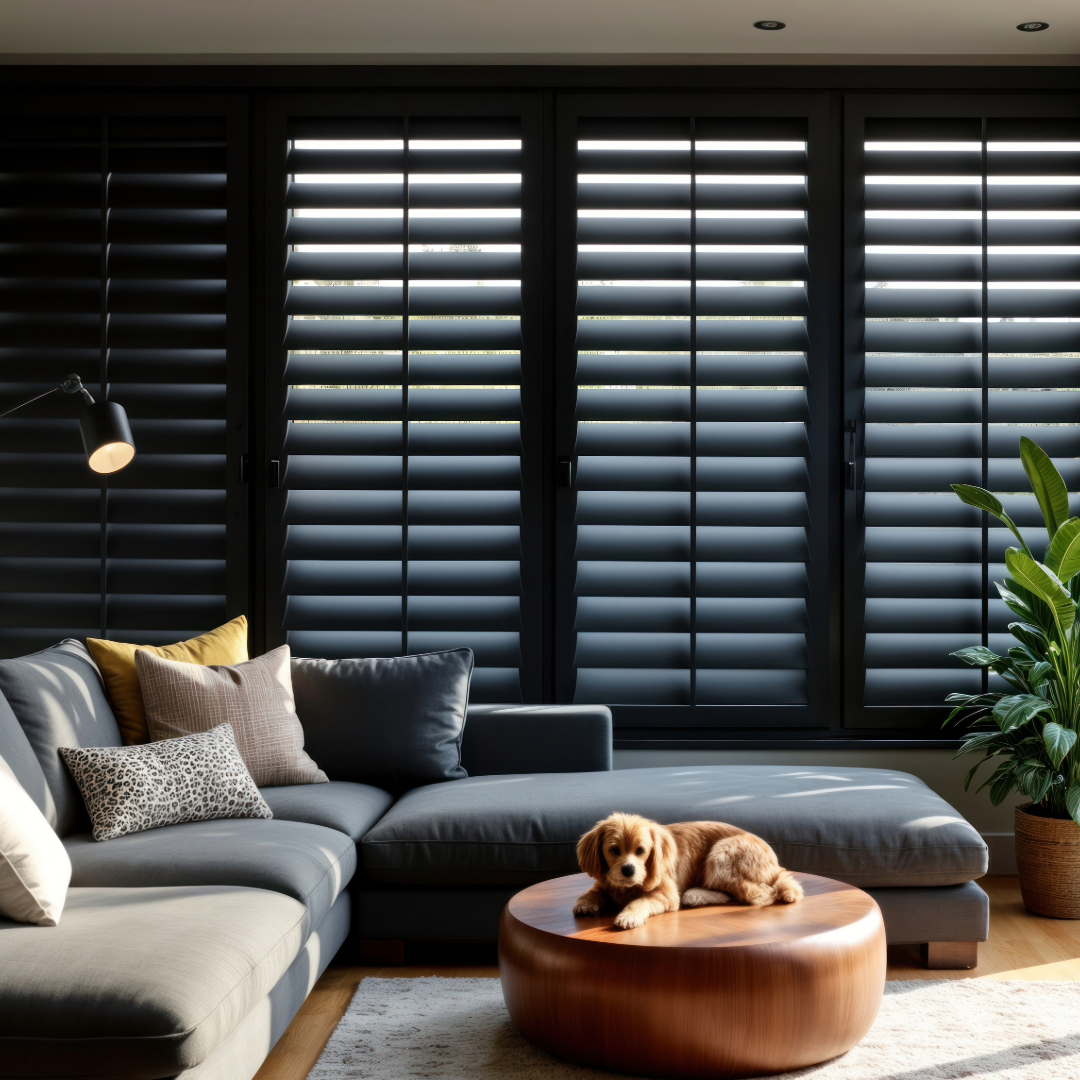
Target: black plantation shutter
[403,473]
[972,339]
[693,502]
[113,233]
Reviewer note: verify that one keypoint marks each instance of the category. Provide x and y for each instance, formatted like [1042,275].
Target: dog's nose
[627,870]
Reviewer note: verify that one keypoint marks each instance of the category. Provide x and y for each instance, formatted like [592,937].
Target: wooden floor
[1021,946]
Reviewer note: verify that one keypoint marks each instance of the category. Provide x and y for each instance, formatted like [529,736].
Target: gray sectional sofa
[186,950]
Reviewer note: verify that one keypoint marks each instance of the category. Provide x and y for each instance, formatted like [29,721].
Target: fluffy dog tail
[786,890]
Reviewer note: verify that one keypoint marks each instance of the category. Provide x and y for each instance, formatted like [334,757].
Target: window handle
[273,474]
[850,477]
[566,473]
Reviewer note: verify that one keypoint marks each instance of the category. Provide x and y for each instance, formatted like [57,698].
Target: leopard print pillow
[194,778]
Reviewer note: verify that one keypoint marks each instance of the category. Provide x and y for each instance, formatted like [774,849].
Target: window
[652,397]
[404,503]
[694,500]
[970,235]
[114,232]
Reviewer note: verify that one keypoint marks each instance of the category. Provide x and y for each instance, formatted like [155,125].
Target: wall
[935,767]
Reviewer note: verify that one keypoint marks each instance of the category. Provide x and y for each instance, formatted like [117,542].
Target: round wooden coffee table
[713,991]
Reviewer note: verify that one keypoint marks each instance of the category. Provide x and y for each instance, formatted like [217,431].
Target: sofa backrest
[59,700]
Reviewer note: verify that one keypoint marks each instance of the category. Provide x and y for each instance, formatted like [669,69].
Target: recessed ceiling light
[1032,27]
[772,24]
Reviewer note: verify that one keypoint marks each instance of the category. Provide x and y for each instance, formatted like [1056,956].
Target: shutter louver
[972,339]
[692,485]
[403,472]
[140,556]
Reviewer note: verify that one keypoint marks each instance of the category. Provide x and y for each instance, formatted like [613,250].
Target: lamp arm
[71,385]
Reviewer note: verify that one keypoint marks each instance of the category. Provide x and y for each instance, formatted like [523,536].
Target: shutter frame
[960,620]
[154,268]
[484,614]
[643,724]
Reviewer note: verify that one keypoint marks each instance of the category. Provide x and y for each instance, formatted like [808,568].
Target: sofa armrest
[501,739]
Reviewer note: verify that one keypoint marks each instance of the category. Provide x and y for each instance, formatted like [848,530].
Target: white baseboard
[1002,852]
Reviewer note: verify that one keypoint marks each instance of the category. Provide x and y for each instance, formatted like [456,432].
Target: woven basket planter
[1048,858]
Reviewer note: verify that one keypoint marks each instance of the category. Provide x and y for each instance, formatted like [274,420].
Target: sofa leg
[950,955]
[377,952]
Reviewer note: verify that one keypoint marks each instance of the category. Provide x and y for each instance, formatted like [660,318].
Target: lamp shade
[106,436]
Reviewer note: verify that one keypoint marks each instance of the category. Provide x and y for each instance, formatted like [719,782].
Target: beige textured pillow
[34,866]
[256,698]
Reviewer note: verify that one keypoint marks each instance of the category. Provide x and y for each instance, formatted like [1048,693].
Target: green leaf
[1041,581]
[982,740]
[1046,482]
[972,700]
[977,656]
[1059,741]
[1030,613]
[1038,672]
[1038,784]
[982,499]
[1032,640]
[1063,554]
[1072,800]
[971,775]
[1018,709]
[1000,788]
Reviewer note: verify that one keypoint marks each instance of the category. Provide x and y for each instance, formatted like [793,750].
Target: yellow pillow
[116,659]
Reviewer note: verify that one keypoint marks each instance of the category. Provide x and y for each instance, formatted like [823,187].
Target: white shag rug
[458,1029]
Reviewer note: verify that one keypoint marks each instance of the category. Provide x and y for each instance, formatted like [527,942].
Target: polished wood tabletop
[827,906]
[721,991]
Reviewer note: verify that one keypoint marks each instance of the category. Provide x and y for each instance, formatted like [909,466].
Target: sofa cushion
[16,750]
[129,789]
[394,722]
[350,808]
[307,862]
[116,661]
[34,867]
[868,827]
[140,983]
[59,700]
[255,698]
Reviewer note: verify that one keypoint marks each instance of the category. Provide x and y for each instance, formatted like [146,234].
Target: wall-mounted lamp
[106,433]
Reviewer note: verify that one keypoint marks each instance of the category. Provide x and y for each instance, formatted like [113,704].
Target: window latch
[566,473]
[849,465]
[273,474]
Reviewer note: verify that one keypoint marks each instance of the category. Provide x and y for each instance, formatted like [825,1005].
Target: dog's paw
[587,905]
[629,920]
[704,898]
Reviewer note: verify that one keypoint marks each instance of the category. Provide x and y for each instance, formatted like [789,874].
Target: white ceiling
[538,30]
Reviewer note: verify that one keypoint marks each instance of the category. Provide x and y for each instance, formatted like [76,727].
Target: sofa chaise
[185,951]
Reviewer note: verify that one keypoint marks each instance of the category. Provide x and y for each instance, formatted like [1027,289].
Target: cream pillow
[34,866]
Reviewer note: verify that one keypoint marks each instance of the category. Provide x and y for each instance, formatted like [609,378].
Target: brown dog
[644,868]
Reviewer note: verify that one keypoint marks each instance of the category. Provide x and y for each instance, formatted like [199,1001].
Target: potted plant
[1031,728]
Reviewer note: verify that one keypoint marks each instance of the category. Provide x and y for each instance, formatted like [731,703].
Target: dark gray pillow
[395,723]
[16,750]
[59,700]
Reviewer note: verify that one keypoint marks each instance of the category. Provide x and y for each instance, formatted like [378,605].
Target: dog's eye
[640,851]
[614,851]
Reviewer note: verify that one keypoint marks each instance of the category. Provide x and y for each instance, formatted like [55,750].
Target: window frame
[647,724]
[102,99]
[529,107]
[898,722]
[250,94]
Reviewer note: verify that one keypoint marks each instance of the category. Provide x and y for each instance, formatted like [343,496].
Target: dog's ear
[590,854]
[663,858]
